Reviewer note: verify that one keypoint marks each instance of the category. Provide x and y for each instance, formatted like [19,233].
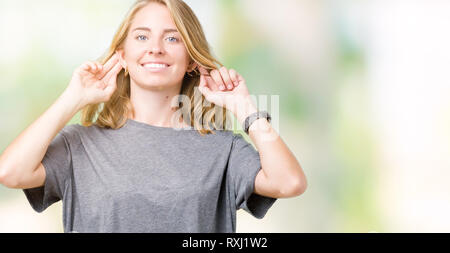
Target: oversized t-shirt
[147,179]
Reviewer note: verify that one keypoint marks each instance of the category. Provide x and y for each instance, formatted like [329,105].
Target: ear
[121,54]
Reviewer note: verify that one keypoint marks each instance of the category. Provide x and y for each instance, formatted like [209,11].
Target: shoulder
[74,129]
[224,138]
[228,135]
[235,138]
[78,135]
[73,133]
[77,129]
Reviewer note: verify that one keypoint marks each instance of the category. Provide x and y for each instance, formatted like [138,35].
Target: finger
[218,79]
[226,78]
[234,77]
[96,67]
[91,66]
[204,83]
[99,69]
[211,83]
[203,71]
[111,85]
[204,89]
[85,66]
[208,79]
[111,77]
[240,79]
[110,88]
[109,65]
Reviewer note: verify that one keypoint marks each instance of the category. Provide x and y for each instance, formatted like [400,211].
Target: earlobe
[121,60]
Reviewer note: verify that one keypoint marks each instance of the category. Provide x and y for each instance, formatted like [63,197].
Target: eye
[172,39]
[141,36]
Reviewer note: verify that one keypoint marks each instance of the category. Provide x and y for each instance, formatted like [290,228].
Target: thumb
[110,88]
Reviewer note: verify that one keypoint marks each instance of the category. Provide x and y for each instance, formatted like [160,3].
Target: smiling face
[154,52]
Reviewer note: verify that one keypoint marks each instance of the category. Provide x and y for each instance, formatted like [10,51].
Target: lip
[155,62]
[154,69]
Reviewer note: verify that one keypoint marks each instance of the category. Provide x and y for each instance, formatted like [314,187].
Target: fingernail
[222,87]
[230,87]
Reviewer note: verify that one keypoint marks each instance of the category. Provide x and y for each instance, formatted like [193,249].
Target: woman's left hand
[223,87]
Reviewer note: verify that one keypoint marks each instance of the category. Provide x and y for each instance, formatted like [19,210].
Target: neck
[153,105]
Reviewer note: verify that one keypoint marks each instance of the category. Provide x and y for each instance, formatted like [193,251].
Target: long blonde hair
[113,113]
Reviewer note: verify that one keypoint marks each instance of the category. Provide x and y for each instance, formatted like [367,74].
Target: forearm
[277,161]
[26,152]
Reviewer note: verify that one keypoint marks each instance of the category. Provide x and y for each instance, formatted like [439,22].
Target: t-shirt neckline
[148,126]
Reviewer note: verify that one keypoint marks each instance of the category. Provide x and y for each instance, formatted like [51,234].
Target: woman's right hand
[94,83]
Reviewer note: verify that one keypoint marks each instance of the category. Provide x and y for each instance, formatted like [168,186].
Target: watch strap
[253,117]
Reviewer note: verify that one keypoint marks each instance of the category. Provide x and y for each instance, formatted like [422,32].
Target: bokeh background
[363,91]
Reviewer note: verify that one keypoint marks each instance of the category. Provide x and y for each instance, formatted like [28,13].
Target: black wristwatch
[252,117]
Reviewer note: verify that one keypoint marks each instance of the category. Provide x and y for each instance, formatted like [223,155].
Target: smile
[155,67]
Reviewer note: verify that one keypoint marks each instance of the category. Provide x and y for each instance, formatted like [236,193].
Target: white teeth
[153,65]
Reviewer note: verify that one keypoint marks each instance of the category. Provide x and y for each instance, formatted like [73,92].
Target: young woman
[137,165]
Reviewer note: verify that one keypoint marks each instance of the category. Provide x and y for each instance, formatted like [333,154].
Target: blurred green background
[363,99]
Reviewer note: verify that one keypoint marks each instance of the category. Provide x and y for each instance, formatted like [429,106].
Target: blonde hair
[113,113]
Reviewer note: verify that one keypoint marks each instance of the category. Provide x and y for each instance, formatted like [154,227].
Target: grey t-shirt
[143,178]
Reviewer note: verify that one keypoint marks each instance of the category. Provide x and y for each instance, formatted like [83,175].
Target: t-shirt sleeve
[58,170]
[243,167]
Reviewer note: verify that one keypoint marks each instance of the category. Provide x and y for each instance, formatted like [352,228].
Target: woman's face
[154,51]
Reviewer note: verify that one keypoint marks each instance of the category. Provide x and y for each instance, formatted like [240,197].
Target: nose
[155,47]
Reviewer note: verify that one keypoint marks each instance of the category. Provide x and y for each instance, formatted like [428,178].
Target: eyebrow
[149,30]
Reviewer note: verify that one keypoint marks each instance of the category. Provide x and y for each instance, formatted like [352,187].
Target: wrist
[243,109]
[72,100]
